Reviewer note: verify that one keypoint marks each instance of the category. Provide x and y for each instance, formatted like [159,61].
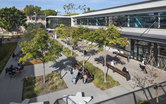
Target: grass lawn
[99,77]
[6,51]
[34,86]
[67,53]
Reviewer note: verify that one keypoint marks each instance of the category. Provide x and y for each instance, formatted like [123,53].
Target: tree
[37,9]
[31,30]
[83,8]
[108,37]
[80,33]
[41,47]
[71,8]
[11,18]
[30,10]
[49,12]
[88,10]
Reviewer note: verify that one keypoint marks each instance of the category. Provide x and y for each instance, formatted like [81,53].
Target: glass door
[140,53]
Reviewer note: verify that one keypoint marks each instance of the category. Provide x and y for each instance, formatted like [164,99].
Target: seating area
[66,42]
[121,72]
[75,47]
[77,65]
[12,71]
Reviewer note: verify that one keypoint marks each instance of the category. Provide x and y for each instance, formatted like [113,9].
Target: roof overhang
[133,7]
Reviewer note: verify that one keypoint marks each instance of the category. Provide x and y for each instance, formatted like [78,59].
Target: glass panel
[162,22]
[135,52]
[101,21]
[140,53]
[134,20]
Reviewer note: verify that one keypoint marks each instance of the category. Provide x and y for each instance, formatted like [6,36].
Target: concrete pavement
[11,89]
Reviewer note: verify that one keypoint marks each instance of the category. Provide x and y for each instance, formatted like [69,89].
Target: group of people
[14,70]
[80,73]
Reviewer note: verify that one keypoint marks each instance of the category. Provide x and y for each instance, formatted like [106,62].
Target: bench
[122,54]
[124,74]
[64,41]
[78,49]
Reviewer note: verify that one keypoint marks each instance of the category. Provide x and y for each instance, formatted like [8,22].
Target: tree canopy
[31,29]
[41,47]
[49,12]
[11,18]
[109,36]
[71,9]
[30,10]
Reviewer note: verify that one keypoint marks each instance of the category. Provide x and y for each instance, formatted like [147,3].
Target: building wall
[53,22]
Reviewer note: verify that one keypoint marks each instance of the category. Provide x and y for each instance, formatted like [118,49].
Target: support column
[155,53]
[128,21]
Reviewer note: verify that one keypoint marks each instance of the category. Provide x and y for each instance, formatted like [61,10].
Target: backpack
[71,71]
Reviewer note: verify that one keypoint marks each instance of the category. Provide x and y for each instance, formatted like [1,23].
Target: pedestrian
[128,58]
[118,52]
[85,78]
[142,65]
[13,55]
[72,74]
[112,63]
[76,75]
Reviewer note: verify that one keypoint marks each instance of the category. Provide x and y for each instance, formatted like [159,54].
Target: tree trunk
[105,67]
[44,80]
[83,59]
[157,99]
[71,47]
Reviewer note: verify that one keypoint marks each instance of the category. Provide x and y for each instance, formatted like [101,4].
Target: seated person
[125,69]
[20,67]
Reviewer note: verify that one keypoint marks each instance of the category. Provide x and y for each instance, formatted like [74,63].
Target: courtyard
[12,88]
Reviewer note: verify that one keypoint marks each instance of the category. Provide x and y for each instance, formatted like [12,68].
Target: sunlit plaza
[113,55]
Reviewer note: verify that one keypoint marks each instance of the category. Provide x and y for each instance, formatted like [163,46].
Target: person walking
[118,52]
[72,71]
[85,78]
[112,63]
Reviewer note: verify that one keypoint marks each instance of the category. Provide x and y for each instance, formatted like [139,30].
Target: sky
[58,4]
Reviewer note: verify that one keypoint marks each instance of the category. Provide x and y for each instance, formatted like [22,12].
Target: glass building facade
[138,49]
[141,49]
[52,22]
[146,20]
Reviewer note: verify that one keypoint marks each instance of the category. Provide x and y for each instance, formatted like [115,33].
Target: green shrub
[143,102]
[59,83]
[100,49]
[29,81]
[99,77]
[28,94]
[8,49]
[49,76]
[38,89]
[29,88]
[34,86]
[53,87]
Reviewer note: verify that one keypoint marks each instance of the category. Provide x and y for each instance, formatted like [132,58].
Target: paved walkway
[11,89]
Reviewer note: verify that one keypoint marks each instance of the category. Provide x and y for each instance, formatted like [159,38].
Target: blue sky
[58,4]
